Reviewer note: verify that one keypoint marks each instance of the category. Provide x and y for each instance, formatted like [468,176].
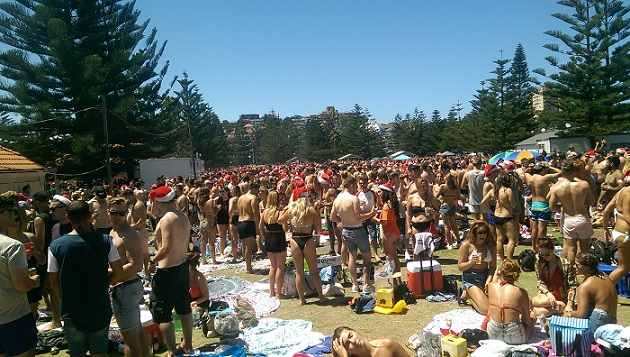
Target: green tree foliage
[63,58]
[278,140]
[359,137]
[591,88]
[201,123]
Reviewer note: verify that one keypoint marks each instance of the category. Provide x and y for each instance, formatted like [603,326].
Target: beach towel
[279,338]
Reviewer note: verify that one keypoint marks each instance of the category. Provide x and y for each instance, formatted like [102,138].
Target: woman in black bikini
[504,222]
[421,207]
[303,219]
[223,217]
[275,242]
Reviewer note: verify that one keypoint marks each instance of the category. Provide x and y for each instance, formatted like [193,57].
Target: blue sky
[297,57]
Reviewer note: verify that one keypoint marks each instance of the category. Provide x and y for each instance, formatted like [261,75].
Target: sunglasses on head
[118,213]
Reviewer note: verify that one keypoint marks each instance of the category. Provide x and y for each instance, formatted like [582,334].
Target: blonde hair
[510,270]
[297,209]
[273,203]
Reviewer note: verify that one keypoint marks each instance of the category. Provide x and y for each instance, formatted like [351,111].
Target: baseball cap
[41,196]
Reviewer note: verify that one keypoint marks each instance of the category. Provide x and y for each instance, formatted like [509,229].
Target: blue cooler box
[623,288]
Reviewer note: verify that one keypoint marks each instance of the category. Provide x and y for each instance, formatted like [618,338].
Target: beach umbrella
[447,153]
[497,157]
[518,156]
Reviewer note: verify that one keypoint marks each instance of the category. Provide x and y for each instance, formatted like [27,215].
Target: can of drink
[32,271]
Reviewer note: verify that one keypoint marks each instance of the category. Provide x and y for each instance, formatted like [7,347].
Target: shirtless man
[137,218]
[612,183]
[599,170]
[98,207]
[427,173]
[414,174]
[171,280]
[248,221]
[346,209]
[573,196]
[127,293]
[182,199]
[538,179]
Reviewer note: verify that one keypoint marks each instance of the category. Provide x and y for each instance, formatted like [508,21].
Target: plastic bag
[226,324]
[245,312]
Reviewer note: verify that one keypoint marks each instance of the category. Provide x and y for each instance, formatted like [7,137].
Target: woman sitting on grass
[555,279]
[597,295]
[510,319]
[477,261]
[198,288]
[348,342]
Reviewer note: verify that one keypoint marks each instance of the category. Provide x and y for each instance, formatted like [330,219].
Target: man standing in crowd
[367,202]
[346,209]
[137,217]
[171,280]
[248,220]
[42,228]
[474,181]
[127,294]
[78,265]
[98,207]
[573,197]
[18,333]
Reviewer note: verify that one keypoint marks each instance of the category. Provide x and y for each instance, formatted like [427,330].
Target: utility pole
[107,157]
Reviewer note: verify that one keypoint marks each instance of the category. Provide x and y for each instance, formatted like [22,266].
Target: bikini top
[502,308]
[488,257]
[418,209]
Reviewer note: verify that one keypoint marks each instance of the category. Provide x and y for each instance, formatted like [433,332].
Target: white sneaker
[355,288]
[449,247]
[408,256]
[368,289]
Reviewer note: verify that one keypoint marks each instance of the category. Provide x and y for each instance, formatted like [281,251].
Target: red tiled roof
[12,161]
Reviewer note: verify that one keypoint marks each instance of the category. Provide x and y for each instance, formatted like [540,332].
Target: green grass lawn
[396,326]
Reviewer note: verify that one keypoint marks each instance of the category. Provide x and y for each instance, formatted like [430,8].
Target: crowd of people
[86,244]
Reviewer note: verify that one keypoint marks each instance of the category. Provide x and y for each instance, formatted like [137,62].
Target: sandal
[461,301]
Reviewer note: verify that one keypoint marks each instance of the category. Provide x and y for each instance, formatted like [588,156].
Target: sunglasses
[118,213]
[546,254]
[482,232]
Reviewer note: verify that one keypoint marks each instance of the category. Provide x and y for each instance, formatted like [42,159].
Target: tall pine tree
[64,57]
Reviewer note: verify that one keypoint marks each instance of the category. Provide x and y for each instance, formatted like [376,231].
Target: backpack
[527,260]
[450,284]
[47,340]
[604,251]
[402,292]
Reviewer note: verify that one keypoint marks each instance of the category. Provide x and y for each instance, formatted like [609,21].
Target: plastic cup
[29,247]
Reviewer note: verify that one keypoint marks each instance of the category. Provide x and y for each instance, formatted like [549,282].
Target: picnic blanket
[205,269]
[279,338]
[262,303]
[221,285]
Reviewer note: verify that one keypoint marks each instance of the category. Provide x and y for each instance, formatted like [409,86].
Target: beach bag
[327,274]
[226,324]
[309,286]
[288,285]
[527,260]
[473,336]
[604,251]
[47,340]
[207,326]
[245,312]
[450,284]
[330,290]
[570,336]
[363,303]
[402,292]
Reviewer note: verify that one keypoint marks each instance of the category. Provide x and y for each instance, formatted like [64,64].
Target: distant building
[549,142]
[540,104]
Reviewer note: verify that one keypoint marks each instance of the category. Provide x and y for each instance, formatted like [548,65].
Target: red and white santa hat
[490,168]
[162,194]
[299,192]
[324,179]
[387,187]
